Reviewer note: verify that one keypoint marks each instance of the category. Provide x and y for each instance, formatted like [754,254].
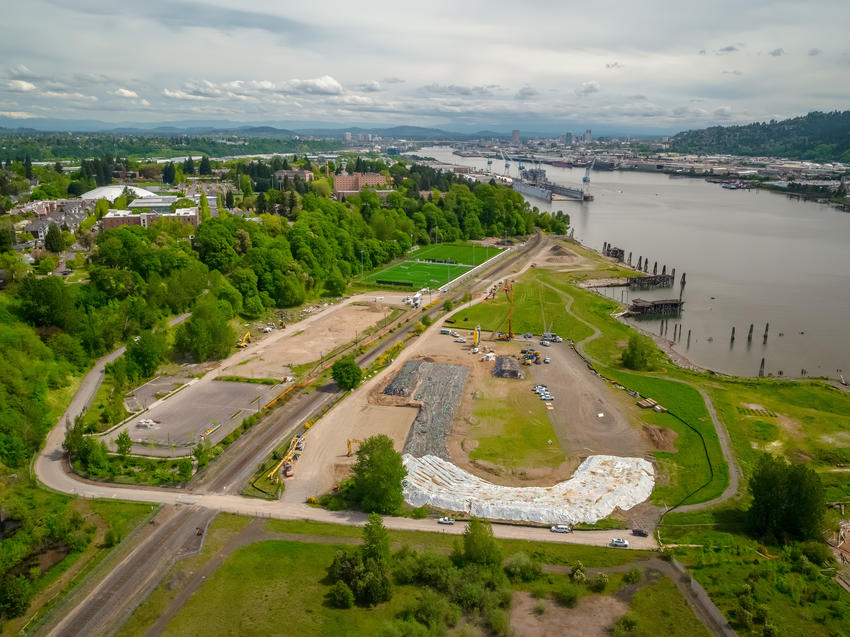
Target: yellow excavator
[509,294]
[352,442]
[245,340]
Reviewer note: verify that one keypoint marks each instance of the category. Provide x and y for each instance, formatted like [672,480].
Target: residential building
[153,204]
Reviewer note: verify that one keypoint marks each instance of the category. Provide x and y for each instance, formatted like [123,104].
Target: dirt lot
[274,357]
[592,616]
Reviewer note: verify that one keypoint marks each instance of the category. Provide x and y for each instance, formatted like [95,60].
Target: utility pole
[361,263]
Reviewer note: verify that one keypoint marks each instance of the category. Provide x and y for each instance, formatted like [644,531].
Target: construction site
[458,403]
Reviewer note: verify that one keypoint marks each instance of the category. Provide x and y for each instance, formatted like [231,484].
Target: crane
[586,179]
[509,295]
[507,162]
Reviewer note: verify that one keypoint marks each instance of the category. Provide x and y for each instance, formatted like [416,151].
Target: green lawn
[512,428]
[275,588]
[464,253]
[419,275]
[659,609]
[120,515]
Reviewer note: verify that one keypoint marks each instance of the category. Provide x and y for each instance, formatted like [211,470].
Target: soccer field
[432,275]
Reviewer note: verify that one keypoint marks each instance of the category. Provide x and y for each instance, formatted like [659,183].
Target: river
[751,256]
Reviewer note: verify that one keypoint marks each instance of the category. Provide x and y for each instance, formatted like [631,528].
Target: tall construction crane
[507,162]
[509,295]
[586,179]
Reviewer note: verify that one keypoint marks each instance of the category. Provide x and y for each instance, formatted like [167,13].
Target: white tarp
[598,486]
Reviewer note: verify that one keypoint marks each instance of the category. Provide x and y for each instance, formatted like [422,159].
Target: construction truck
[244,340]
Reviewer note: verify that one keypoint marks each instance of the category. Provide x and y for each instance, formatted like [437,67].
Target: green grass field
[432,275]
[659,609]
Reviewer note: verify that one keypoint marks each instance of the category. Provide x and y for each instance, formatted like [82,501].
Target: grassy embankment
[272,585]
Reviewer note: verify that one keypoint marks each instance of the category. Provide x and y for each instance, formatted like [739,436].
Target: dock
[664,307]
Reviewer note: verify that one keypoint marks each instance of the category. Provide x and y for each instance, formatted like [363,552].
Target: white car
[619,542]
[460,340]
[547,360]
[545,343]
[446,521]
[561,528]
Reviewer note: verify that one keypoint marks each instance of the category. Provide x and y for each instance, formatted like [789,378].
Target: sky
[543,65]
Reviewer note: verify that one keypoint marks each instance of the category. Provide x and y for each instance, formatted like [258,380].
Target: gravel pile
[508,367]
[439,389]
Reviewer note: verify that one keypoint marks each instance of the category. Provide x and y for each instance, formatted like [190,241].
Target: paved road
[216,491]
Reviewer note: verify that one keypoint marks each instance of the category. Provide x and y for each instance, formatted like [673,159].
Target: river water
[750,256]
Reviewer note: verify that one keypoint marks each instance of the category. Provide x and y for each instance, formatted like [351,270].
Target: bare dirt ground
[274,358]
[592,616]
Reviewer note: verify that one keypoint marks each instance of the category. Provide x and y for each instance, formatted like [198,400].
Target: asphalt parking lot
[181,420]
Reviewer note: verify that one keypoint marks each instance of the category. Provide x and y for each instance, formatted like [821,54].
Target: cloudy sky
[544,65]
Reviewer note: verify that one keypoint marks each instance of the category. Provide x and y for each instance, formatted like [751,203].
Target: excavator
[509,294]
[245,340]
[351,442]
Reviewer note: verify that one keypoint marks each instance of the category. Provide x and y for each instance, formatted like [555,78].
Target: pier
[665,307]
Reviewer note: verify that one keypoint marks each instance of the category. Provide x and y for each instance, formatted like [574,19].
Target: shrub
[540,607]
[577,574]
[419,513]
[567,595]
[598,583]
[817,552]
[497,620]
[521,568]
[633,576]
[435,611]
[403,628]
[624,626]
[470,596]
[340,595]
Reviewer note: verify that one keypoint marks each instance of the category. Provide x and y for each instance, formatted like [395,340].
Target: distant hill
[816,136]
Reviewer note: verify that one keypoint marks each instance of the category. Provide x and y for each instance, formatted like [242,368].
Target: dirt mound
[593,616]
[660,438]
[561,251]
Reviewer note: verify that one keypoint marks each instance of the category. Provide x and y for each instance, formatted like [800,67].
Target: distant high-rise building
[348,137]
[588,137]
[515,136]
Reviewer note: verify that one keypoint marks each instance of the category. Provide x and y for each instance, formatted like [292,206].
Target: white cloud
[586,88]
[125,92]
[17,115]
[22,86]
[182,95]
[814,52]
[324,85]
[777,52]
[613,65]
[526,92]
[69,96]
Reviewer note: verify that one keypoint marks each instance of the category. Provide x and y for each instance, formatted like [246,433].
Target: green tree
[28,167]
[123,444]
[638,353]
[376,540]
[228,200]
[479,547]
[205,167]
[335,283]
[53,241]
[347,373]
[146,353]
[207,333]
[204,207]
[377,476]
[340,595]
[15,595]
[788,500]
[7,235]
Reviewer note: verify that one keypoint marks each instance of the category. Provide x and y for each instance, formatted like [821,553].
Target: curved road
[731,489]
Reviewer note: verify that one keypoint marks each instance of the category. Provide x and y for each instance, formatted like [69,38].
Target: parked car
[619,542]
[545,343]
[460,340]
[547,360]
[639,533]
[446,521]
[561,528]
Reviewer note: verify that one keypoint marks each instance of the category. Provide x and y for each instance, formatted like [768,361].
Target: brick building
[116,218]
[345,185]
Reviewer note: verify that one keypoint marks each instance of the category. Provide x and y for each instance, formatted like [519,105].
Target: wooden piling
[750,335]
[761,368]
[733,333]
[766,327]
[689,339]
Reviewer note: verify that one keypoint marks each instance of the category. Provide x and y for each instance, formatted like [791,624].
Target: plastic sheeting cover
[599,485]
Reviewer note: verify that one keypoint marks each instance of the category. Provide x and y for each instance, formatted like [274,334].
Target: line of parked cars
[543,392]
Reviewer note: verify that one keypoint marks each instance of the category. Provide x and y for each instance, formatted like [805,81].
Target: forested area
[78,146]
[822,137]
